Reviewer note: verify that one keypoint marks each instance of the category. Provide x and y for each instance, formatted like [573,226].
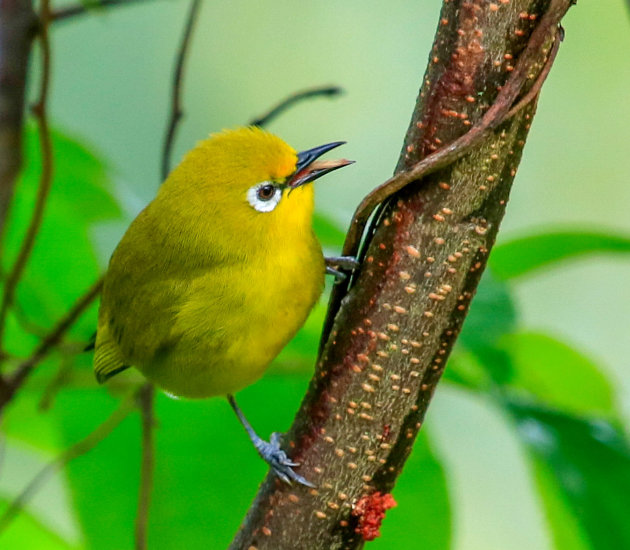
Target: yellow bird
[218,272]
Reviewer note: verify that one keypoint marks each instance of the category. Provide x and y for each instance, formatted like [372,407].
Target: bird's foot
[277,459]
[336,265]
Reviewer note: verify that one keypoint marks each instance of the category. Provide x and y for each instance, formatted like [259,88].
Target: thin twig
[78,449]
[146,402]
[533,92]
[297,97]
[49,342]
[176,108]
[39,111]
[69,12]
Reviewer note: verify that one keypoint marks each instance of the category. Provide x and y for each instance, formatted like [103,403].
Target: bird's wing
[108,359]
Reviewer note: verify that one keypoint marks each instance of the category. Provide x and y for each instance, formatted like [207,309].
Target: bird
[219,271]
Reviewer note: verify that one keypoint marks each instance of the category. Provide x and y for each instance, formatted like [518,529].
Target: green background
[524,445]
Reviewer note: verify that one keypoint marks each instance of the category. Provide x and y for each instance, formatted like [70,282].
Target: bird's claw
[279,462]
[336,265]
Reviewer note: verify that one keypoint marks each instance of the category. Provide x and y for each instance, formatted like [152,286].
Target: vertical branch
[393,332]
[176,102]
[145,402]
[45,182]
[18,25]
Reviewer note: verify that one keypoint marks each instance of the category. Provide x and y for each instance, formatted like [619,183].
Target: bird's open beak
[308,168]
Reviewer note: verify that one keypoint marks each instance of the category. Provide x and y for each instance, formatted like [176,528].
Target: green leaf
[465,369]
[524,255]
[557,375]
[104,482]
[566,529]
[588,460]
[422,518]
[26,533]
[492,315]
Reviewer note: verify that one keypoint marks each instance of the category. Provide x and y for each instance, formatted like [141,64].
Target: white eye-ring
[264,196]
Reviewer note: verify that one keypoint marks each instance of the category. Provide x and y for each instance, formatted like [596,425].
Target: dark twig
[78,449]
[47,345]
[39,110]
[70,12]
[145,402]
[176,108]
[18,27]
[297,97]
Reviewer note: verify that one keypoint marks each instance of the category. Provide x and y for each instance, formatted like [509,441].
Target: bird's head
[253,177]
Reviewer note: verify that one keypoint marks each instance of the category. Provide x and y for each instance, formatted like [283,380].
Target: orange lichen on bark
[370,509]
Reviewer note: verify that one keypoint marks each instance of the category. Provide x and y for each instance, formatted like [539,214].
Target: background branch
[146,402]
[176,108]
[423,260]
[70,12]
[292,100]
[45,182]
[48,344]
[18,26]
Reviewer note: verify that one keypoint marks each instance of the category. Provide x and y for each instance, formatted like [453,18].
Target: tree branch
[176,108]
[423,259]
[290,101]
[500,111]
[39,110]
[70,12]
[145,398]
[18,27]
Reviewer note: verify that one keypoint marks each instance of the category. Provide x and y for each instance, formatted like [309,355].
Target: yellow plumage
[204,290]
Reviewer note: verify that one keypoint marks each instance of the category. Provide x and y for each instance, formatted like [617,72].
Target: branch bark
[424,256]
[18,26]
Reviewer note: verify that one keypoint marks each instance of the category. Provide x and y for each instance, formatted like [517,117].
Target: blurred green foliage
[560,403]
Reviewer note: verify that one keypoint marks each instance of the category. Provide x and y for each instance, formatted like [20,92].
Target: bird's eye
[264,196]
[266,192]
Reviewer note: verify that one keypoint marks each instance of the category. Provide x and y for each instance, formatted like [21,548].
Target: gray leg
[336,265]
[338,275]
[349,263]
[270,451]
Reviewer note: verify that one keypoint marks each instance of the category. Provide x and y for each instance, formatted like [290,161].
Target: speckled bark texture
[396,326]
